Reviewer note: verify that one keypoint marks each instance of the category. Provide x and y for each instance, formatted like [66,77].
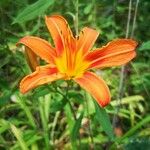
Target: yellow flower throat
[72,65]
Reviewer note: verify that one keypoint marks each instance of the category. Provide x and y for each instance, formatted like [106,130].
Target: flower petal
[40,47]
[117,52]
[60,32]
[32,58]
[96,87]
[41,76]
[87,39]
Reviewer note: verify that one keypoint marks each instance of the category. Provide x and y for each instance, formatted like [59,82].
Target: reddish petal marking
[87,39]
[60,32]
[117,52]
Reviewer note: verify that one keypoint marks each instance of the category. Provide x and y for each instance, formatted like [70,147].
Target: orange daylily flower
[72,59]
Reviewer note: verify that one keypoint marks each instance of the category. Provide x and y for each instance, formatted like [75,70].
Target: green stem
[123,74]
[129,19]
[54,125]
[69,84]
[89,118]
[123,70]
[66,96]
[44,124]
[77,17]
[134,19]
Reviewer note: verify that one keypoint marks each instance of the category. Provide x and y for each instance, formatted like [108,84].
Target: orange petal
[60,32]
[96,87]
[32,58]
[41,76]
[117,52]
[87,39]
[40,47]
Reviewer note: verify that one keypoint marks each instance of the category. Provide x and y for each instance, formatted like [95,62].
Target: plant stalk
[123,70]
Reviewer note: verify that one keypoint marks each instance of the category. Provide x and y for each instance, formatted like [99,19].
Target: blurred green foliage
[43,119]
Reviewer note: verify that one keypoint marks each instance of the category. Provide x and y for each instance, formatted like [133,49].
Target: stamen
[77,37]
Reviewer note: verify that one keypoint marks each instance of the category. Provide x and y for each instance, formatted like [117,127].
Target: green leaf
[21,101]
[145,46]
[87,9]
[33,10]
[75,129]
[30,137]
[69,117]
[90,104]
[75,97]
[5,98]
[128,100]
[4,125]
[134,129]
[47,102]
[103,118]
[137,143]
[18,134]
[131,132]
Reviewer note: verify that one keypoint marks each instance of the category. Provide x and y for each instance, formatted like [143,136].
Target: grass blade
[17,133]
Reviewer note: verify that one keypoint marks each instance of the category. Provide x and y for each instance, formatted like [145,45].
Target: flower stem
[66,96]
[69,84]
[123,70]
[77,17]
[129,19]
[134,19]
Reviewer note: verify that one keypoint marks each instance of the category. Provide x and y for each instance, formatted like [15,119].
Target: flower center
[73,65]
